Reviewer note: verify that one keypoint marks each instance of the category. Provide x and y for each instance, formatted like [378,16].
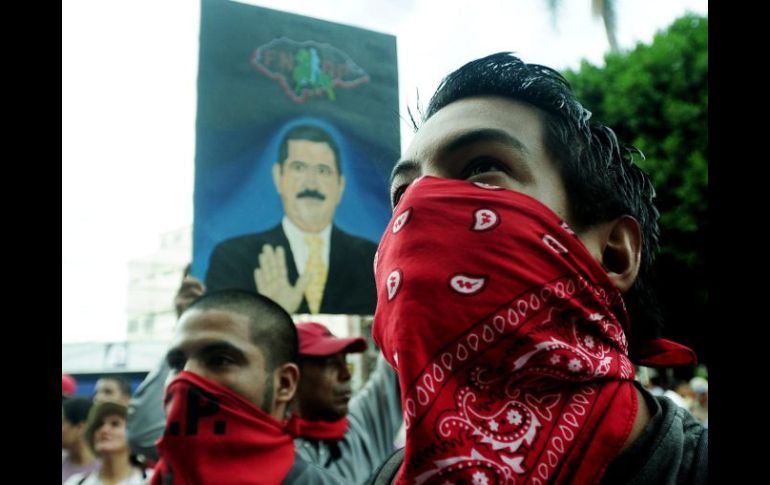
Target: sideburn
[267,401]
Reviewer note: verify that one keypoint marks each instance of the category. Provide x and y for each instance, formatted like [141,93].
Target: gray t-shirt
[672,449]
[146,416]
[304,473]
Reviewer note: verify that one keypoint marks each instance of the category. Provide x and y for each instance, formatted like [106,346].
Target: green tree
[656,98]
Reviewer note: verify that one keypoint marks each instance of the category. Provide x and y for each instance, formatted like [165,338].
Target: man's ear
[285,380]
[622,251]
[277,176]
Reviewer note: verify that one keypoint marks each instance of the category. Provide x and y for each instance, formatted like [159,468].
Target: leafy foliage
[656,98]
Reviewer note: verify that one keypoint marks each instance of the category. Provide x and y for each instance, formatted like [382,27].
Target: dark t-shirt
[672,449]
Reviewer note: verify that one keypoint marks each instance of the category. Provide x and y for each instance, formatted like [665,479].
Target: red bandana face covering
[321,430]
[215,436]
[508,338]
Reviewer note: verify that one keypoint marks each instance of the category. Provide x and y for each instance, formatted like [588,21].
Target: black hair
[309,133]
[76,409]
[600,176]
[270,327]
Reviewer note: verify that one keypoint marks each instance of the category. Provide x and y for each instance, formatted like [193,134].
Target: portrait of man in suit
[305,263]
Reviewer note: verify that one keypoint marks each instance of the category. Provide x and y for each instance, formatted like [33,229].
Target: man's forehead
[520,120]
[213,321]
[316,149]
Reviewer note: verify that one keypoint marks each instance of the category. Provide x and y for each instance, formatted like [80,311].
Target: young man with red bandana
[350,437]
[233,373]
[513,296]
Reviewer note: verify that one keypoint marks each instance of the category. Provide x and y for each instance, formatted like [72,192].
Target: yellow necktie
[315,265]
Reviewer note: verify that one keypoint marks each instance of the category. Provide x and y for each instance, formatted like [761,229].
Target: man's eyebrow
[484,135]
[401,167]
[206,348]
[222,347]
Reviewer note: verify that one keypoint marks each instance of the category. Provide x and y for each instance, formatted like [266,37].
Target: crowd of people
[94,444]
[513,310]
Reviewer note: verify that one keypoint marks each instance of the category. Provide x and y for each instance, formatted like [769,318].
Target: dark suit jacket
[349,284]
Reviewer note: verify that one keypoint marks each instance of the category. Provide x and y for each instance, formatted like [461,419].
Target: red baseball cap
[316,340]
[68,385]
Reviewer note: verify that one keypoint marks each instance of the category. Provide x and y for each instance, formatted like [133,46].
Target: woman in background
[106,435]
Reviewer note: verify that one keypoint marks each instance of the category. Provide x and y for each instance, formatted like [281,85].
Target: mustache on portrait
[311,193]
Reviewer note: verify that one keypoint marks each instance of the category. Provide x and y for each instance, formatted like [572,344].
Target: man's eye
[398,193]
[482,165]
[297,166]
[220,360]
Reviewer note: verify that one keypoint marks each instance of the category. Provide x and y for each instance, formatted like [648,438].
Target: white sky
[128,109]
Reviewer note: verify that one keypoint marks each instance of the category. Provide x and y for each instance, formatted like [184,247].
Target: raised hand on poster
[272,279]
